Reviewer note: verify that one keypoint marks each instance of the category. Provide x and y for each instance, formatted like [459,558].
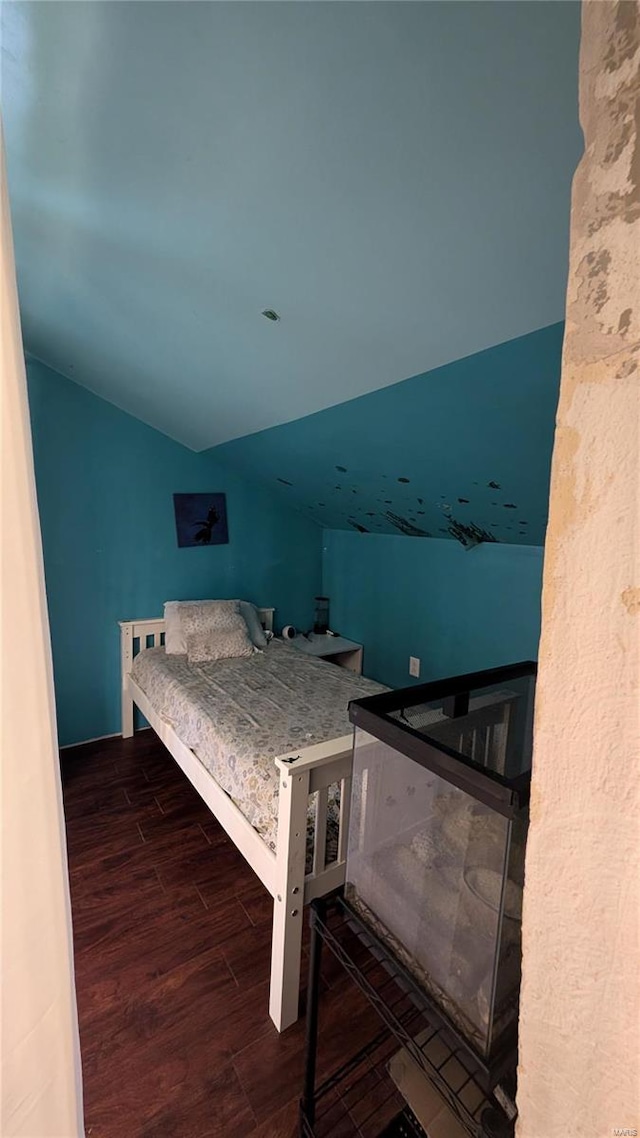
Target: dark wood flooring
[172,945]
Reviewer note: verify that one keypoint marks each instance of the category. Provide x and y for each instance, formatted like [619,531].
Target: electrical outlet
[414,666]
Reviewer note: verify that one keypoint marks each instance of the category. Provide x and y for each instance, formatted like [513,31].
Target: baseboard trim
[99,738]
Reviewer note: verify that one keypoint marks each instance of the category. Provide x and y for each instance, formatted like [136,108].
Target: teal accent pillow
[252,620]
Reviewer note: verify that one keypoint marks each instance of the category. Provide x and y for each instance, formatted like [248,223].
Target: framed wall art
[201,519]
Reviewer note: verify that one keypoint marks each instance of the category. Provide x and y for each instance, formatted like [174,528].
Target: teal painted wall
[456,610]
[105,483]
[469,442]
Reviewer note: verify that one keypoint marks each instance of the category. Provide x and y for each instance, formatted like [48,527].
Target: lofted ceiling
[462,452]
[392,178]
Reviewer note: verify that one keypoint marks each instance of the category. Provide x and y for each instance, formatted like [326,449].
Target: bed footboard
[313,771]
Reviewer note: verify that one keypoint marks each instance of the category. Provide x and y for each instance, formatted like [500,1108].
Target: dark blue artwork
[201,519]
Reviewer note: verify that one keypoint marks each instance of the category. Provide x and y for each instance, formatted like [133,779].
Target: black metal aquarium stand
[482,1104]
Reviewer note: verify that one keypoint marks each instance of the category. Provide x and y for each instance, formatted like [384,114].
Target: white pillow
[197,615]
[174,639]
[207,645]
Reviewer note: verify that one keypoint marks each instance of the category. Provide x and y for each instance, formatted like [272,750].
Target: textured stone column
[580,1008]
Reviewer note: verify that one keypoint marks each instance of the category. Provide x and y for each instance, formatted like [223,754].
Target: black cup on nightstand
[321,615]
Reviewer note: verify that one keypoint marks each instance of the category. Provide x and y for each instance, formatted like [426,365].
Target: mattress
[238,715]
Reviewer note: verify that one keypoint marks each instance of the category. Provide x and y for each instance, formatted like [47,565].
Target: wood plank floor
[172,945]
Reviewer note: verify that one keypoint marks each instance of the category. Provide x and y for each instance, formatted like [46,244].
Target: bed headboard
[150,634]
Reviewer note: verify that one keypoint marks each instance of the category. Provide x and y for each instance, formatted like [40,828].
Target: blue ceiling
[393,178]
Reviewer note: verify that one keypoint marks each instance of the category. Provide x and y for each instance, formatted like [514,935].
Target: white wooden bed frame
[311,770]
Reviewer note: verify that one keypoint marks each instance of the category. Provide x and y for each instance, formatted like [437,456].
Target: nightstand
[335,649]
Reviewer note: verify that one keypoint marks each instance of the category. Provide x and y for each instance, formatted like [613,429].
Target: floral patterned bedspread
[238,715]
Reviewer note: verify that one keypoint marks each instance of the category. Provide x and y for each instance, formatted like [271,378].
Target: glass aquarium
[437,836]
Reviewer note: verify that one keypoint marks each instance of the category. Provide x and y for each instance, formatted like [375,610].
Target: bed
[266,742]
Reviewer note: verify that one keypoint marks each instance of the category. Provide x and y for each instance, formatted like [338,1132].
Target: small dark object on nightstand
[321,615]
